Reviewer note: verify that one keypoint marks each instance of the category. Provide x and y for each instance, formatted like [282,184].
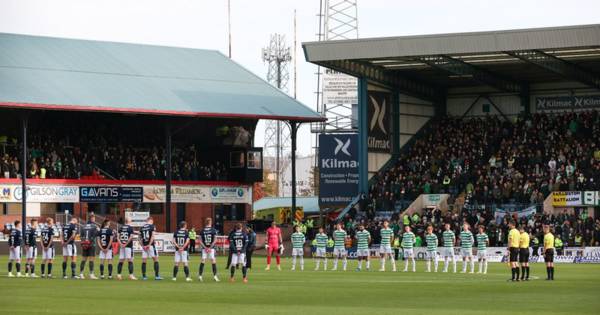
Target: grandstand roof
[83,75]
[503,59]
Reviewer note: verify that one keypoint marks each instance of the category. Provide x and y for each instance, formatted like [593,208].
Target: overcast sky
[203,24]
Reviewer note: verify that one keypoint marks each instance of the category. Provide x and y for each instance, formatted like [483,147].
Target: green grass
[575,291]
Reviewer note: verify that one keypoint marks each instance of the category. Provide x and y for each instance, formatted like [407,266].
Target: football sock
[49,268]
[278,258]
[428,265]
[472,265]
[130,267]
[73,267]
[527,270]
[201,269]
[244,271]
[317,263]
[156,269]
[382,263]
[27,267]
[325,264]
[64,268]
[522,272]
[110,269]
[481,266]
[335,263]
[446,264]
[301,262]
[512,270]
[101,269]
[32,268]
[413,264]
[294,261]
[551,271]
[368,263]
[517,272]
[81,266]
[120,267]
[18,265]
[10,266]
[454,264]
[232,271]
[344,263]
[214,269]
[43,267]
[91,266]
[359,264]
[435,263]
[485,264]
[144,269]
[186,270]
[175,271]
[268,259]
[548,272]
[464,266]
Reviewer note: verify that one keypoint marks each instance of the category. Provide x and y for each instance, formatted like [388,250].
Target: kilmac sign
[379,113]
[338,168]
[567,102]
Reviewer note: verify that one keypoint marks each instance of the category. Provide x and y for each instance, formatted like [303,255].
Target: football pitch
[576,290]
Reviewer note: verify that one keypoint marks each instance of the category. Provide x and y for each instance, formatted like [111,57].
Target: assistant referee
[513,250]
[549,252]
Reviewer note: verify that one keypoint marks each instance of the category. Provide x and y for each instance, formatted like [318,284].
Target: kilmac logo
[339,163]
[378,115]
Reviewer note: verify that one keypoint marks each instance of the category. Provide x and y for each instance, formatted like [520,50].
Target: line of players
[104,238]
[518,249]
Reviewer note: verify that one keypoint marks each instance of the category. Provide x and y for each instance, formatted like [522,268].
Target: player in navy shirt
[31,248]
[14,248]
[89,232]
[105,241]
[182,241]
[47,247]
[148,248]
[69,250]
[238,240]
[126,249]
[208,238]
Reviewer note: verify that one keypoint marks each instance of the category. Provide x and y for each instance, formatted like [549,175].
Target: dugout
[504,73]
[167,98]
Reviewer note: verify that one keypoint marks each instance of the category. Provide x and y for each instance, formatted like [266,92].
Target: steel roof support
[461,68]
[558,66]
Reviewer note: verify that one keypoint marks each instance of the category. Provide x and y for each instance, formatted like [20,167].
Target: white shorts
[181,257]
[238,259]
[32,252]
[108,255]
[447,251]
[482,253]
[321,252]
[151,252]
[208,253]
[48,253]
[466,252]
[408,253]
[297,252]
[363,253]
[125,253]
[69,250]
[339,252]
[385,249]
[431,255]
[15,253]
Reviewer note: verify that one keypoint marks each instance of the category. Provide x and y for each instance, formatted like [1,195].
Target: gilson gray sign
[338,168]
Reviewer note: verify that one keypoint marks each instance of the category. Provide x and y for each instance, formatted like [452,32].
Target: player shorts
[89,252]
[48,253]
[549,255]
[363,252]
[408,252]
[466,252]
[513,253]
[385,249]
[339,252]
[208,253]
[297,252]
[273,249]
[431,254]
[523,255]
[15,253]
[482,253]
[32,252]
[108,255]
[181,257]
[238,259]
[125,253]
[151,252]
[69,250]
[447,251]
[321,252]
